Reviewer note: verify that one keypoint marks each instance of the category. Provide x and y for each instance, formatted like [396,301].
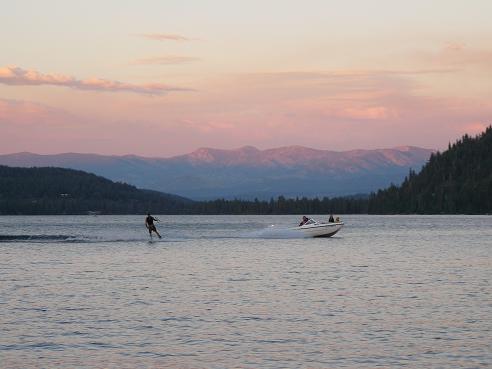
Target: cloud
[361,90]
[475,127]
[25,113]
[12,75]
[368,113]
[166,60]
[164,37]
[458,55]
[342,75]
[366,108]
[206,125]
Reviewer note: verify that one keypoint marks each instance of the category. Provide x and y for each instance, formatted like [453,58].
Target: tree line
[456,181]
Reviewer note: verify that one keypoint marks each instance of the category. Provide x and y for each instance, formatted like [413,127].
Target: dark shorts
[152,228]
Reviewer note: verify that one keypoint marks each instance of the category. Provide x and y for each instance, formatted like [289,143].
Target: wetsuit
[150,223]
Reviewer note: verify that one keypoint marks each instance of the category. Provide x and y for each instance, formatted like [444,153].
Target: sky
[163,78]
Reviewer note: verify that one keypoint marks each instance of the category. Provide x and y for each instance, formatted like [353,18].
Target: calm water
[228,292]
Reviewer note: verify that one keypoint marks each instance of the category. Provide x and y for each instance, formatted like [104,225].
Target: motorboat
[313,228]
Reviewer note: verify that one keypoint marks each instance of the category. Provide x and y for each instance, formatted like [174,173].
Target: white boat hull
[319,229]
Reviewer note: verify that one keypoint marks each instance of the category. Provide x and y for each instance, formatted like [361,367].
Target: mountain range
[246,172]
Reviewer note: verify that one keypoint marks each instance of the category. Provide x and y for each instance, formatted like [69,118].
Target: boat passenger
[337,220]
[305,219]
[331,220]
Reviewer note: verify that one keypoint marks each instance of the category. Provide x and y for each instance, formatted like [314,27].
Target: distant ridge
[304,156]
[247,172]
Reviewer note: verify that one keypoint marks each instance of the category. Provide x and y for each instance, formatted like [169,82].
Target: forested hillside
[67,191]
[457,181]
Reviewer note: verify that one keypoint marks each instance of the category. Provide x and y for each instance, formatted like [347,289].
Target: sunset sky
[161,78]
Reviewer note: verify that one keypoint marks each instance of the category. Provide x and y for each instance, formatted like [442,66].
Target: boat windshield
[310,221]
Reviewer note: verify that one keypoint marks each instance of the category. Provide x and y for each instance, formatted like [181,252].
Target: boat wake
[60,238]
[274,232]
[40,238]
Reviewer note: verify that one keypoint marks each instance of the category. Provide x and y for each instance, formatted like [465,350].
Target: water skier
[149,223]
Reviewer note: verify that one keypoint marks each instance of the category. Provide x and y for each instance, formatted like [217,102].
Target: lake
[237,292]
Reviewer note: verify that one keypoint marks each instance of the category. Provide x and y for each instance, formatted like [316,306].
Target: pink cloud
[458,55]
[165,60]
[331,110]
[206,126]
[370,113]
[340,110]
[24,113]
[475,127]
[13,75]
[164,37]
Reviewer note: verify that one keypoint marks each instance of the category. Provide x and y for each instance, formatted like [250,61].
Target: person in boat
[337,220]
[304,220]
[331,220]
[149,223]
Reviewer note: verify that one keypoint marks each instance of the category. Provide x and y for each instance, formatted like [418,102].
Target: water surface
[234,292]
